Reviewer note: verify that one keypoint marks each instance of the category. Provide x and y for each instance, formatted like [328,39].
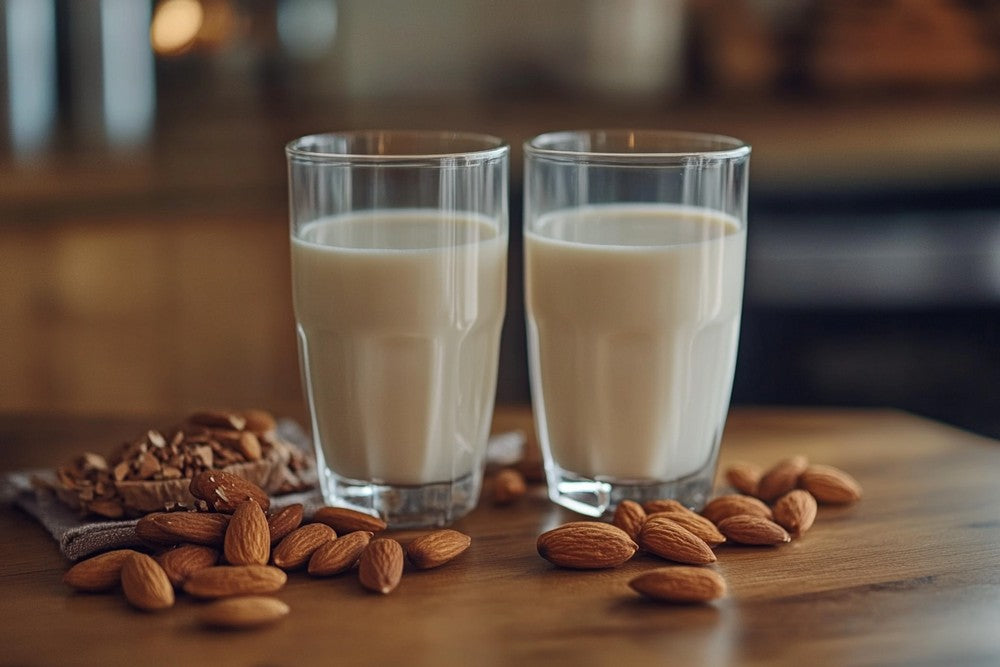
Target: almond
[744,477]
[755,530]
[249,446]
[830,485]
[795,511]
[586,545]
[695,523]
[680,584]
[98,573]
[381,565]
[344,520]
[250,611]
[224,491]
[668,539]
[629,516]
[662,505]
[145,584]
[228,580]
[196,527]
[298,546]
[721,507]
[260,422]
[181,561]
[338,555]
[248,539]
[147,530]
[781,478]
[285,521]
[437,548]
[218,419]
[508,486]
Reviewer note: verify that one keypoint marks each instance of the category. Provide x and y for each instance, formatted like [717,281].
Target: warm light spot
[175,25]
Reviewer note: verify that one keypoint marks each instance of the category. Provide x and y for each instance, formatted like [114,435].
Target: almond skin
[195,527]
[99,573]
[781,478]
[147,530]
[259,422]
[668,539]
[830,485]
[795,511]
[338,555]
[298,546]
[240,613]
[695,523]
[285,521]
[380,567]
[753,530]
[437,548]
[662,505]
[344,520]
[744,477]
[228,580]
[248,538]
[629,516]
[223,491]
[586,545]
[680,584]
[145,584]
[722,507]
[509,486]
[182,561]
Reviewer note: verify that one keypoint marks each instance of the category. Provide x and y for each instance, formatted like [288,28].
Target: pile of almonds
[667,529]
[257,549]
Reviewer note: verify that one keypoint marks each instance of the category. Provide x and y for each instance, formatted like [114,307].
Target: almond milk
[633,319]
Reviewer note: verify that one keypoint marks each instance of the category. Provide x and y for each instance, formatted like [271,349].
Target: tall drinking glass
[635,245]
[399,248]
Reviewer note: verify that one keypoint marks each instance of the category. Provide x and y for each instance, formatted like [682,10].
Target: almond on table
[586,545]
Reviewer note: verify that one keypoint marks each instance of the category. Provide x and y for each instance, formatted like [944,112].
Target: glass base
[596,497]
[418,506]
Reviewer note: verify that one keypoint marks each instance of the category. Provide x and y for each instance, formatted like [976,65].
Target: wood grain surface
[909,575]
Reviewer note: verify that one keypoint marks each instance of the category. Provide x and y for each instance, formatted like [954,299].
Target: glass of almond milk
[635,245]
[399,256]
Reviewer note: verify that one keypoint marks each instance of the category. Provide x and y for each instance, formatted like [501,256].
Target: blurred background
[143,221]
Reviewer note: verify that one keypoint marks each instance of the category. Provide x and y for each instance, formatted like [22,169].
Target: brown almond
[508,486]
[218,419]
[795,511]
[298,546]
[248,539]
[437,548]
[195,527]
[680,584]
[181,561]
[260,422]
[781,478]
[722,507]
[695,523]
[753,530]
[249,446]
[99,573]
[668,539]
[344,520]
[830,485]
[147,530]
[239,613]
[228,580]
[380,567]
[586,545]
[145,584]
[629,516]
[744,477]
[285,521]
[662,505]
[339,555]
[223,491]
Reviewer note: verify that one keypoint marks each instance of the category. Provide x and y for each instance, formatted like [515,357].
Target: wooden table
[909,575]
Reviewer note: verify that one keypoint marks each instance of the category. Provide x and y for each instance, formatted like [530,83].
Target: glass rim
[491,146]
[718,146]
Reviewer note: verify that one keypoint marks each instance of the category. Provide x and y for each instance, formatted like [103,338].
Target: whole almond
[754,530]
[722,507]
[338,555]
[228,580]
[680,584]
[744,477]
[248,539]
[795,511]
[147,530]
[781,478]
[250,611]
[668,539]
[298,546]
[181,561]
[223,491]
[285,521]
[218,419]
[629,516]
[249,446]
[830,485]
[508,486]
[260,422]
[437,548]
[586,545]
[145,584]
[695,523]
[662,505]
[196,527]
[99,573]
[344,520]
[380,567]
